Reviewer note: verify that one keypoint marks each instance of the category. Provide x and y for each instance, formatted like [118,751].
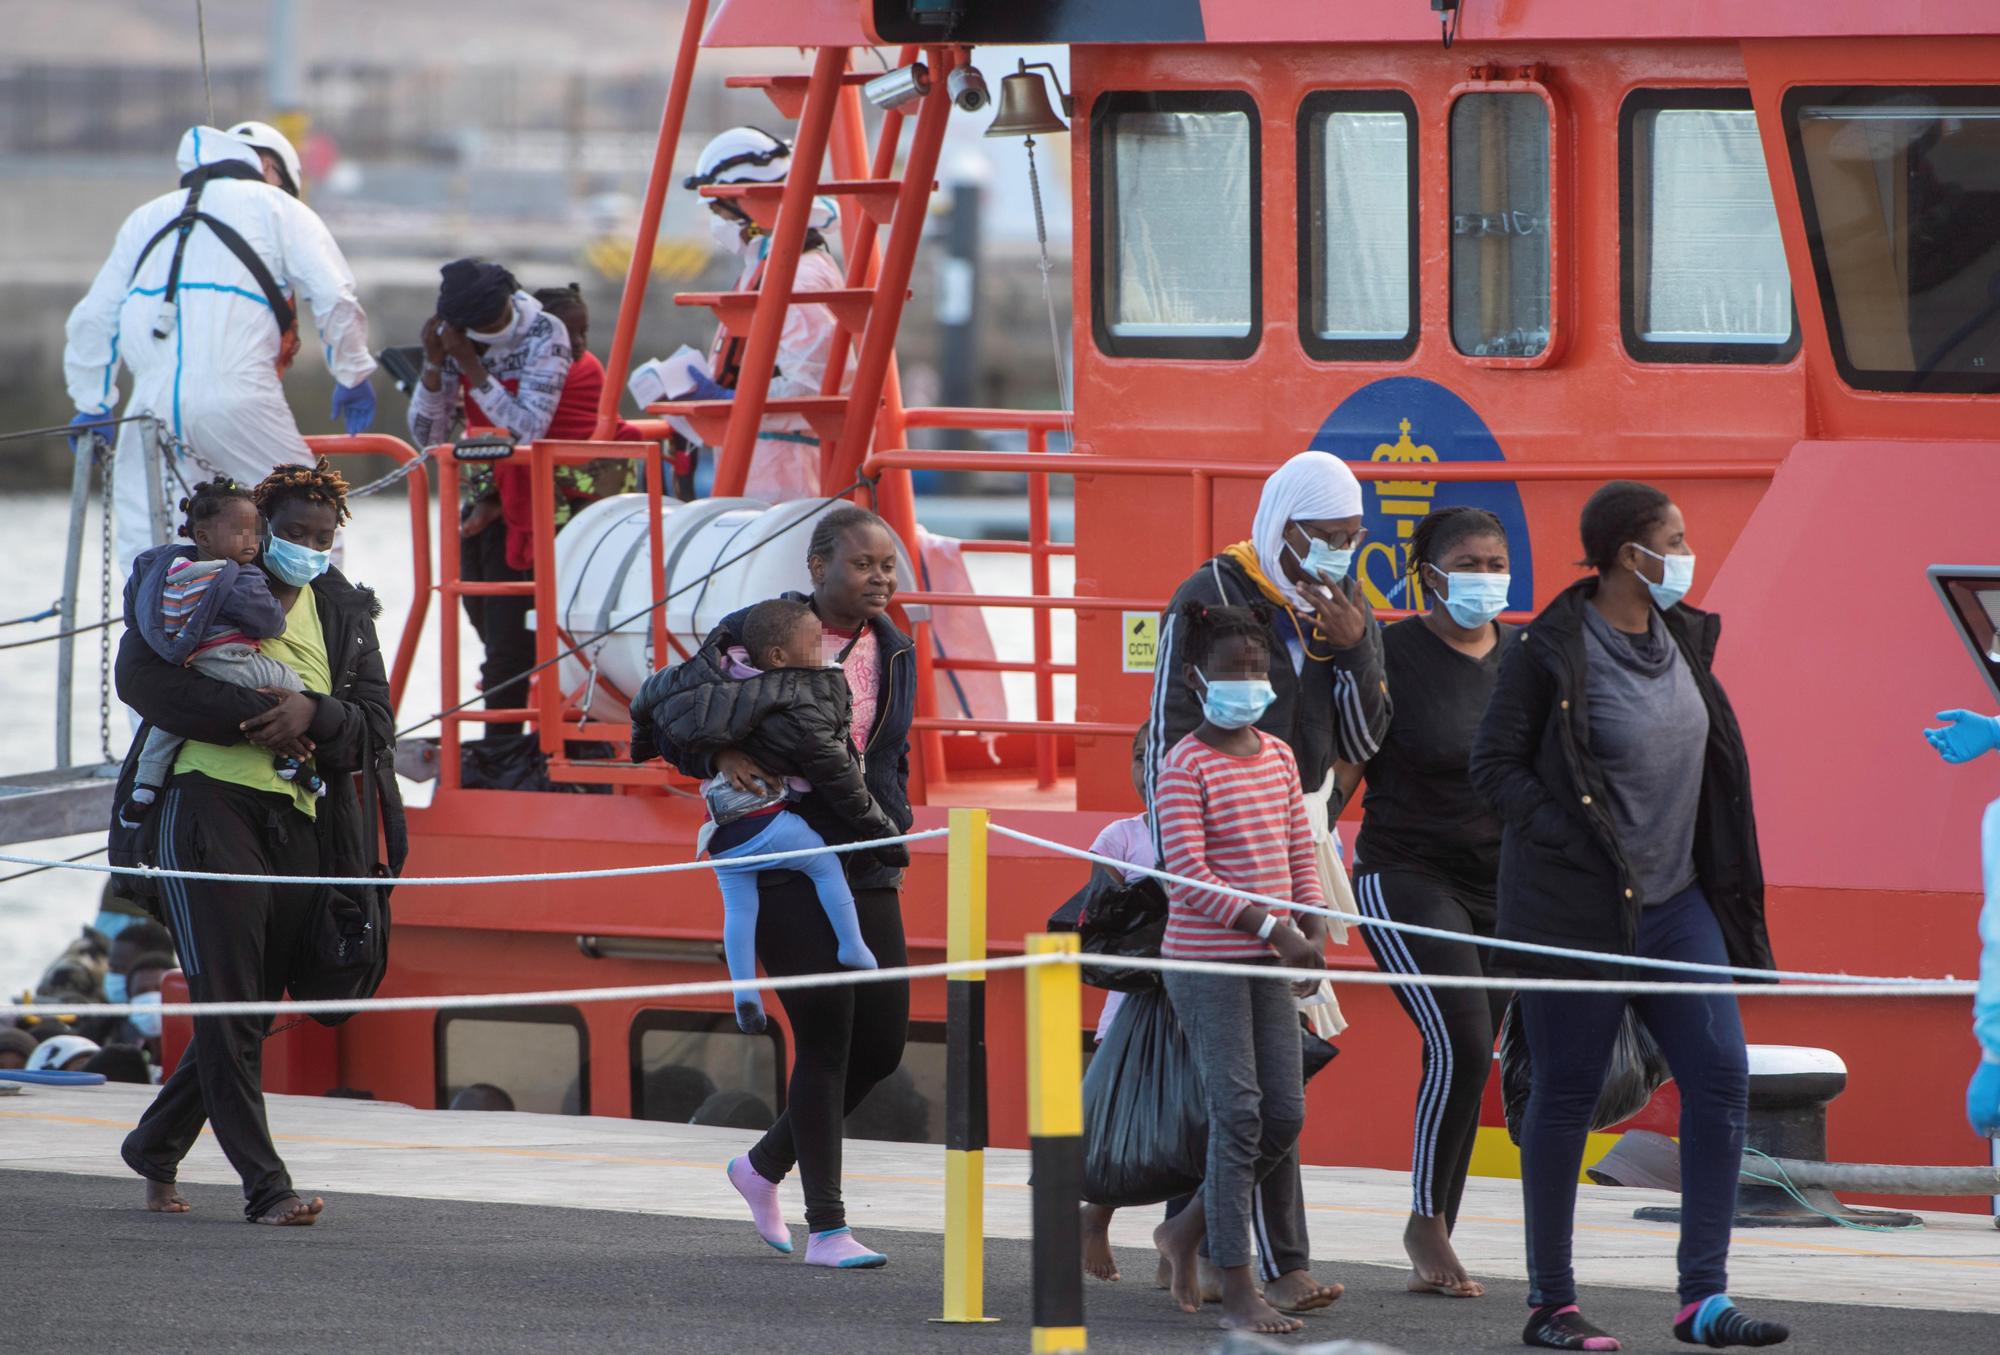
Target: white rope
[1596,957]
[835,978]
[405,881]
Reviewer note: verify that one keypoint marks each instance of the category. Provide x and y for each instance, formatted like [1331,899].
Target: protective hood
[213,146]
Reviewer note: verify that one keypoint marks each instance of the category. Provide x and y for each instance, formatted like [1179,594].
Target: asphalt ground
[90,1271]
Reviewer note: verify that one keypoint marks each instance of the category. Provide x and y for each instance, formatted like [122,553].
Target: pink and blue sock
[762,1197]
[1716,1322]
[838,1249]
[1554,1327]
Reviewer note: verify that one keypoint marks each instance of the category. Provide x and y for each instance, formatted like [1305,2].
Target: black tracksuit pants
[845,1038]
[235,943]
[502,623]
[1457,1024]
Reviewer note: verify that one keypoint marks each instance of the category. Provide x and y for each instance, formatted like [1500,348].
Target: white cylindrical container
[721,555]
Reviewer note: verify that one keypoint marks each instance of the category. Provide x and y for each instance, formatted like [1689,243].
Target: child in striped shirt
[1230,811]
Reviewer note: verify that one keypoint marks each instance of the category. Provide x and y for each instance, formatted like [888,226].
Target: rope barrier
[405,881]
[1439,933]
[63,634]
[53,609]
[836,978]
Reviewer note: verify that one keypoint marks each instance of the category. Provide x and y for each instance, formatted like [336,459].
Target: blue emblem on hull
[1411,421]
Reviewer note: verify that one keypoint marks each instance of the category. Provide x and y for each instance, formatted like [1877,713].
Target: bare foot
[1178,1239]
[1298,1292]
[1211,1280]
[1434,1266]
[1163,1274]
[164,1197]
[1097,1257]
[292,1212]
[1243,1309]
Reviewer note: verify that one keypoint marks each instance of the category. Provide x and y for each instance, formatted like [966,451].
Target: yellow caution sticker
[1141,632]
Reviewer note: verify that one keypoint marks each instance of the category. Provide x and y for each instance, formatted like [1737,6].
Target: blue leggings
[1569,1042]
[787,833]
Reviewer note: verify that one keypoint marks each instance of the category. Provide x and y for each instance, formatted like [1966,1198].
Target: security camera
[967,88]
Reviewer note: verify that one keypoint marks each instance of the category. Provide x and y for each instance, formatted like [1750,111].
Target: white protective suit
[785,463]
[214,378]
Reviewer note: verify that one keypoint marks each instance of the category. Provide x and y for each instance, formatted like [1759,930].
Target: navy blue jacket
[887,754]
[239,599]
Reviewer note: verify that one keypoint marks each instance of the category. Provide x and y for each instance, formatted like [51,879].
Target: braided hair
[317,483]
[1208,627]
[1619,512]
[834,525]
[206,501]
[1444,528]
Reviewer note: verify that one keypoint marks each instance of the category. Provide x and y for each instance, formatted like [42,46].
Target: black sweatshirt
[1421,811]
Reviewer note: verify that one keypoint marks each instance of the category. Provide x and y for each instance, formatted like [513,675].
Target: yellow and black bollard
[965,1074]
[1055,1144]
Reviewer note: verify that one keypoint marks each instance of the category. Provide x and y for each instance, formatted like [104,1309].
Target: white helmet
[265,137]
[741,155]
[51,1054]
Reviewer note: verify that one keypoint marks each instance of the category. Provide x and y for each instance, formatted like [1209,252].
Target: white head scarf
[1311,486]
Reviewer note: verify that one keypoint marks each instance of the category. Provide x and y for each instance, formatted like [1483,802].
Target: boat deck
[517,1232]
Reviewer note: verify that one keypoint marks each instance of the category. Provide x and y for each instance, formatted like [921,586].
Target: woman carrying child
[1229,811]
[847,1037]
[227,808]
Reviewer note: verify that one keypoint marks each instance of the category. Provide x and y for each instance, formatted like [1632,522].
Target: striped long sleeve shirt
[1239,822]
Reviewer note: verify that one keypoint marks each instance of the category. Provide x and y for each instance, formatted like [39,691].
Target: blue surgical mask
[114,987]
[147,1023]
[1676,577]
[1322,561]
[1473,600]
[1235,703]
[295,564]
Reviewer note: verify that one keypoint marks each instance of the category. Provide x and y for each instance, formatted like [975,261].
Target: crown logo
[1405,500]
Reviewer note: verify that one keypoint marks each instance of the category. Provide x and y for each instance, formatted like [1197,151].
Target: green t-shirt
[302,648]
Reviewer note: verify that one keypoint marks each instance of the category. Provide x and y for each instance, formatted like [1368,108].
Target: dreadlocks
[317,483]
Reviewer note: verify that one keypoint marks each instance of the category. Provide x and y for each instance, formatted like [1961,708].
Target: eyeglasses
[1337,540]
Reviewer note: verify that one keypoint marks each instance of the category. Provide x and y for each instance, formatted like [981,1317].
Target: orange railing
[381,444]
[1038,463]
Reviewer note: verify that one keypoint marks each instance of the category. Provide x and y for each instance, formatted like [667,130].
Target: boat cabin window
[1358,224]
[1900,190]
[908,1105]
[1703,264]
[698,1068]
[1174,183]
[538,1056]
[1500,172]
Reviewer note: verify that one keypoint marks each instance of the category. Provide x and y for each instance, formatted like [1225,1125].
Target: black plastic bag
[1115,919]
[1145,1126]
[517,762]
[1637,1070]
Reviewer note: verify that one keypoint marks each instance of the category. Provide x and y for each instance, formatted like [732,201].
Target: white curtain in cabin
[1715,265]
[1364,267]
[1181,196]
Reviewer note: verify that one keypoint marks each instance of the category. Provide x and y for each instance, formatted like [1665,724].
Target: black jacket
[886,756]
[352,731]
[793,721]
[1564,876]
[1336,707]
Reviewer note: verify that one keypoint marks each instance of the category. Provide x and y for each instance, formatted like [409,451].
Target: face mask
[727,232]
[1474,599]
[490,337]
[1235,703]
[293,563]
[147,1023]
[1676,577]
[1322,561]
[114,987]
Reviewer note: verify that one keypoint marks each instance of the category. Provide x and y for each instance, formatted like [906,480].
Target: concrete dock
[516,1232]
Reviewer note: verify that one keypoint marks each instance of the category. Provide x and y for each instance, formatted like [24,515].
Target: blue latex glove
[1965,737]
[84,422]
[706,389]
[1982,1098]
[357,404]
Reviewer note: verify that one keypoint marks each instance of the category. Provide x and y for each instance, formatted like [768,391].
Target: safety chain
[396,476]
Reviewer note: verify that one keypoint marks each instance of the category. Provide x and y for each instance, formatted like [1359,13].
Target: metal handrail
[418,480]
